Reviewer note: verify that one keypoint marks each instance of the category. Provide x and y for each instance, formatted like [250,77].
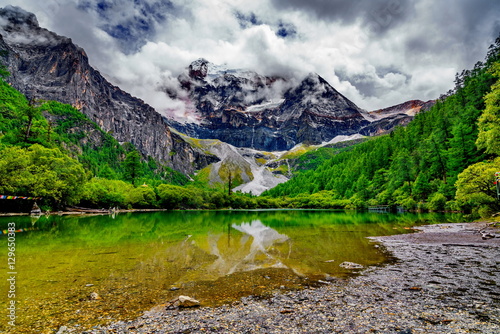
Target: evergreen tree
[132,167]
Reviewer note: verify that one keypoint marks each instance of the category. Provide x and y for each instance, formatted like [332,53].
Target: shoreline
[90,211]
[83,212]
[445,279]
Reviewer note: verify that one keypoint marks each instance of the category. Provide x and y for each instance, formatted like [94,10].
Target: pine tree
[132,167]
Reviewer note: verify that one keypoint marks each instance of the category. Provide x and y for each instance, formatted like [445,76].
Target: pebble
[94,296]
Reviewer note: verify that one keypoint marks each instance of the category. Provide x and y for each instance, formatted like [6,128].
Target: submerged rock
[62,330]
[350,265]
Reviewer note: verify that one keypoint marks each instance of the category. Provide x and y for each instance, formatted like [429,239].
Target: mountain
[250,110]
[44,65]
[384,120]
[247,109]
[241,115]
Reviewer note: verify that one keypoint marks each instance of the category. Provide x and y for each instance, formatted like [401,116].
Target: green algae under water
[137,261]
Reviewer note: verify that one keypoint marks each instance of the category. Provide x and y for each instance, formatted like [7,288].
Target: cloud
[131,23]
[376,15]
[375,52]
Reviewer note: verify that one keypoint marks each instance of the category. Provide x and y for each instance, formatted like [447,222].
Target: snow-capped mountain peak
[205,70]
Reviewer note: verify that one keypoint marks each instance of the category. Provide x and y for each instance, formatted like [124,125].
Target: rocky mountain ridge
[246,109]
[384,120]
[410,108]
[44,65]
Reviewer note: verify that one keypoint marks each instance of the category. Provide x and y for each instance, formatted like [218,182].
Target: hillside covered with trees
[445,159]
[53,152]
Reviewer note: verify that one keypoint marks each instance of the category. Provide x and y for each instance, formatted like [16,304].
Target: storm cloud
[376,52]
[376,15]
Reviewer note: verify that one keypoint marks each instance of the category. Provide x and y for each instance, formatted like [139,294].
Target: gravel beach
[444,279]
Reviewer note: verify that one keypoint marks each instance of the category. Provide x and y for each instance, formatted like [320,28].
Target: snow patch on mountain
[270,104]
[244,163]
[263,180]
[339,139]
[303,148]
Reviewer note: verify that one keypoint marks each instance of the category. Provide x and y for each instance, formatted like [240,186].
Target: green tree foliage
[104,193]
[437,202]
[132,167]
[173,197]
[21,122]
[97,151]
[489,122]
[39,171]
[476,187]
[142,197]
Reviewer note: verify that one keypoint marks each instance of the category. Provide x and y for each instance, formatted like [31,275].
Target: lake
[136,261]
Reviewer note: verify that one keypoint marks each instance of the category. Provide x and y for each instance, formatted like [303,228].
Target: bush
[422,206]
[437,202]
[408,203]
[356,202]
[41,172]
[141,197]
[104,193]
[475,187]
[176,197]
[453,206]
[485,211]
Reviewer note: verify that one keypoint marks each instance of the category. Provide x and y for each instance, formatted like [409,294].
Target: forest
[445,159]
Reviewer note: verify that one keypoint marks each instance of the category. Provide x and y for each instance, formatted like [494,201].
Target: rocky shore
[445,279]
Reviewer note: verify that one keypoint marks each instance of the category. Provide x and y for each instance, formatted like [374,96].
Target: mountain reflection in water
[250,249]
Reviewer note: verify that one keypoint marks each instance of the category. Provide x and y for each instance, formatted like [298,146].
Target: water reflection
[263,239]
[250,249]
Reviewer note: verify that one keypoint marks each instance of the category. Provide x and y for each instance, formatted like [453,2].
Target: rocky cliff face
[246,109]
[384,120]
[46,66]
